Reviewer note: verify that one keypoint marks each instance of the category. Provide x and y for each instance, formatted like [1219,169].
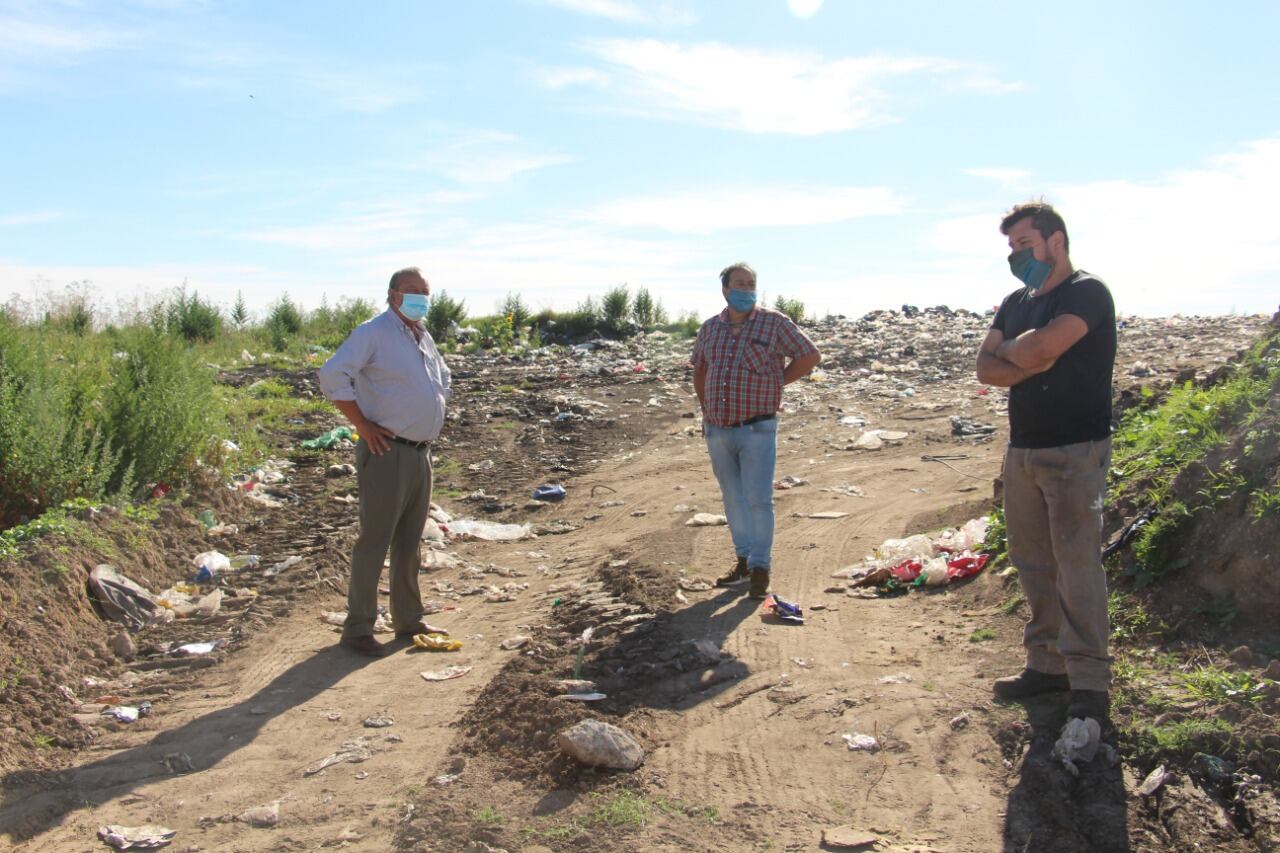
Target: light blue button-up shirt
[397,381]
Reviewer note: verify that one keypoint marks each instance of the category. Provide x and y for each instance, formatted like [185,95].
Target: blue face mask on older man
[415,306]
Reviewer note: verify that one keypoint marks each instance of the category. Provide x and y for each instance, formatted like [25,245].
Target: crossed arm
[1008,362]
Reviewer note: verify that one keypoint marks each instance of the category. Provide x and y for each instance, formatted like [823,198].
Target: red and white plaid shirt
[744,372]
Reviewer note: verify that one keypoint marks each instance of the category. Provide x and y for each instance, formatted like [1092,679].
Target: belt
[749,421]
[417,445]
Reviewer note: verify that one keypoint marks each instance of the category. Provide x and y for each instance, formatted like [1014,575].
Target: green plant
[1184,737]
[981,635]
[513,307]
[192,318]
[239,311]
[793,308]
[284,322]
[44,741]
[1220,685]
[646,310]
[444,314]
[488,816]
[623,809]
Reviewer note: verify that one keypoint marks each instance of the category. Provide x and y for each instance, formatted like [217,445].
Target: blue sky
[858,154]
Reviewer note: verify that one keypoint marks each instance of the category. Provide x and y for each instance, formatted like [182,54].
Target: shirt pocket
[757,358]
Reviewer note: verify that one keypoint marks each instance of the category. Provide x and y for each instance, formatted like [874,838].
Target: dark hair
[1044,219]
[403,274]
[727,272]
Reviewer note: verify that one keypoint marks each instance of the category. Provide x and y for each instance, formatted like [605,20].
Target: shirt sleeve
[1002,317]
[1089,300]
[792,342]
[699,354]
[338,374]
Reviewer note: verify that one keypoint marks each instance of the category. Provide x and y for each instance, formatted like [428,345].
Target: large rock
[599,744]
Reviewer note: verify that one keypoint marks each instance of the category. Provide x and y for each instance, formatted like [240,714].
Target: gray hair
[727,272]
[400,275]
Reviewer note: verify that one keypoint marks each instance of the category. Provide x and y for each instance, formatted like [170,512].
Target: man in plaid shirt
[741,360]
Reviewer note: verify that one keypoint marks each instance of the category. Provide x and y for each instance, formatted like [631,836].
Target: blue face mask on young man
[415,306]
[742,301]
[1028,269]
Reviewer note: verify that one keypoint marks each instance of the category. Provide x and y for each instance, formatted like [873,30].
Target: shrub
[615,308]
[283,323]
[444,314]
[192,318]
[647,311]
[793,308]
[513,306]
[239,311]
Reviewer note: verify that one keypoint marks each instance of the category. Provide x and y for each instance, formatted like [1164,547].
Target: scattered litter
[595,743]
[846,490]
[436,642]
[485,465]
[352,751]
[969,428]
[784,611]
[861,743]
[897,678]
[706,519]
[446,779]
[695,584]
[583,697]
[210,564]
[446,674]
[145,837]
[827,515]
[377,722]
[1155,779]
[286,563]
[683,508]
[852,421]
[196,648]
[575,685]
[550,492]
[517,642]
[261,816]
[124,601]
[330,439]
[471,528]
[790,482]
[960,721]
[123,713]
[1079,743]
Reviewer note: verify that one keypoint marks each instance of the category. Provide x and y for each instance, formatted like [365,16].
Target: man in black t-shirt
[1053,345]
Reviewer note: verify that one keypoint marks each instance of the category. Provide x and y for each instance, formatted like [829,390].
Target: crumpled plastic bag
[436,643]
[122,600]
[146,837]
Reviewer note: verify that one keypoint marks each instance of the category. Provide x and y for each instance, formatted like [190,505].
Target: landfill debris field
[176,683]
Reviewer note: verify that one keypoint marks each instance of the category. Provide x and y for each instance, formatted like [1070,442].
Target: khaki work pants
[395,495]
[1053,510]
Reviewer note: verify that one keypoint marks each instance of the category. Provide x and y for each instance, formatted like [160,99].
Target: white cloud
[804,8]
[1199,240]
[482,157]
[560,78]
[667,14]
[1005,177]
[762,91]
[47,40]
[33,218]
[721,209]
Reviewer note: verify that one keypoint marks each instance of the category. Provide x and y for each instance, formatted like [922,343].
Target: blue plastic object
[549,492]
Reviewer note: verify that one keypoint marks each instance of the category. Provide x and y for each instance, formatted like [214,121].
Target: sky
[859,155]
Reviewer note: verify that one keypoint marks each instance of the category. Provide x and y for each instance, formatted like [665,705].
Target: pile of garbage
[921,560]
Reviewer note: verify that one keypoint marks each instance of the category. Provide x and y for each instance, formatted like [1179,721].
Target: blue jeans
[743,460]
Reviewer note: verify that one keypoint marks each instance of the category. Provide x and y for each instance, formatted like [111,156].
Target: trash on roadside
[196,649]
[790,482]
[447,674]
[783,610]
[583,697]
[1155,779]
[960,721]
[124,601]
[206,519]
[352,751]
[517,642]
[695,584]
[377,722]
[575,685]
[826,515]
[706,519]
[472,528]
[550,492]
[209,565]
[346,469]
[1079,743]
[436,642]
[896,678]
[330,439]
[858,742]
[261,816]
[146,837]
[963,427]
[123,713]
[277,568]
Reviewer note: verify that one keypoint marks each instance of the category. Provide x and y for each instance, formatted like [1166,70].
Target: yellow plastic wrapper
[436,643]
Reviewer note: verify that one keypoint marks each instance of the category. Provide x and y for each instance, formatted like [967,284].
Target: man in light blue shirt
[389,380]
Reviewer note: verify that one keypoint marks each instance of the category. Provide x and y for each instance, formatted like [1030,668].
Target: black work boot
[735,575]
[759,583]
[1086,704]
[1029,682]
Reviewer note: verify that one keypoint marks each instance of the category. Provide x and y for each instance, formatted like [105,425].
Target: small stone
[848,838]
[1273,670]
[1242,656]
[599,744]
[124,647]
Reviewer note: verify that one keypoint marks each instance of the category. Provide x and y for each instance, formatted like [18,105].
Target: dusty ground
[744,752]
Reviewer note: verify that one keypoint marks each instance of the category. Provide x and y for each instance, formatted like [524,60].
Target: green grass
[1013,602]
[488,816]
[1184,737]
[1130,619]
[982,635]
[44,741]
[1219,685]
[623,809]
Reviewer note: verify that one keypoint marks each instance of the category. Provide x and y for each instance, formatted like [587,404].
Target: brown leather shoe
[365,645]
[735,575]
[419,628]
[759,583]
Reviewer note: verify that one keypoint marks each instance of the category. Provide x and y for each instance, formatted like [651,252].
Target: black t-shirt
[1071,401]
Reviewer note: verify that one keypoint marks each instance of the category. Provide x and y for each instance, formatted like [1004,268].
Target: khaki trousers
[1053,511]
[395,495]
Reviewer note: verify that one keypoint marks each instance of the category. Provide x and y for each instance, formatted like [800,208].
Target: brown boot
[759,583]
[734,576]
